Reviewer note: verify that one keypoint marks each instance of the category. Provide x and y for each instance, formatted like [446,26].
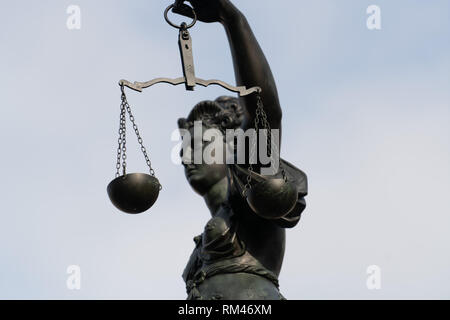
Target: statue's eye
[226,121]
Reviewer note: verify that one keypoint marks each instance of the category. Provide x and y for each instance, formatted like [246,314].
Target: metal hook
[166,12]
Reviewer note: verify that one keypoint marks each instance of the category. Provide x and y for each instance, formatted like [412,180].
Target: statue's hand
[206,10]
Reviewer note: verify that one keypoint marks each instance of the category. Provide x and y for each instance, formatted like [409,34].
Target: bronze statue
[239,255]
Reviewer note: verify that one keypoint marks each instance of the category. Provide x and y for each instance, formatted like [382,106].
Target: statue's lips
[191,171]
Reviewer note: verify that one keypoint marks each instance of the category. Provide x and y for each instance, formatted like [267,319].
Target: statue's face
[202,176]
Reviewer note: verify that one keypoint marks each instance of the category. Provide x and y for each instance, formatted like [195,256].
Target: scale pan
[134,193]
[272,198]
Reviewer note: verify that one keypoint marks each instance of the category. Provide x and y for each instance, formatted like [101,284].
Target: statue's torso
[239,254]
[236,257]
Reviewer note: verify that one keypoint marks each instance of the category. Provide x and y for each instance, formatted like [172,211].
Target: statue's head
[222,114]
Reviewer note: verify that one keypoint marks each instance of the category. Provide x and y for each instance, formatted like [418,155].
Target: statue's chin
[198,184]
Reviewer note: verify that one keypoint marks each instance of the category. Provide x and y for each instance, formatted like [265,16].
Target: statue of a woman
[239,254]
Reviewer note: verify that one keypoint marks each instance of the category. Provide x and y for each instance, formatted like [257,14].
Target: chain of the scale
[261,122]
[125,107]
[122,148]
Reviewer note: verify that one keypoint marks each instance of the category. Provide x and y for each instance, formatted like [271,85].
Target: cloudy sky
[366,116]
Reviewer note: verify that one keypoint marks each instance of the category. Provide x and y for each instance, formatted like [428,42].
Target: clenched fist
[206,10]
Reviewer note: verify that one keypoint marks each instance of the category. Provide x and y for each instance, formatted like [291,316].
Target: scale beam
[139,86]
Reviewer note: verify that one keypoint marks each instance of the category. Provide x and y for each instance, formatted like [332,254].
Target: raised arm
[250,65]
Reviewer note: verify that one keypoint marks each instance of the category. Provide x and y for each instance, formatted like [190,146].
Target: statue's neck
[216,196]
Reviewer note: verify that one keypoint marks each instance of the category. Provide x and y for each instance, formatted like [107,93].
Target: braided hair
[223,113]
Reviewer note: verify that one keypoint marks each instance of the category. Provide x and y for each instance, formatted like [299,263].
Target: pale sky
[366,116]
